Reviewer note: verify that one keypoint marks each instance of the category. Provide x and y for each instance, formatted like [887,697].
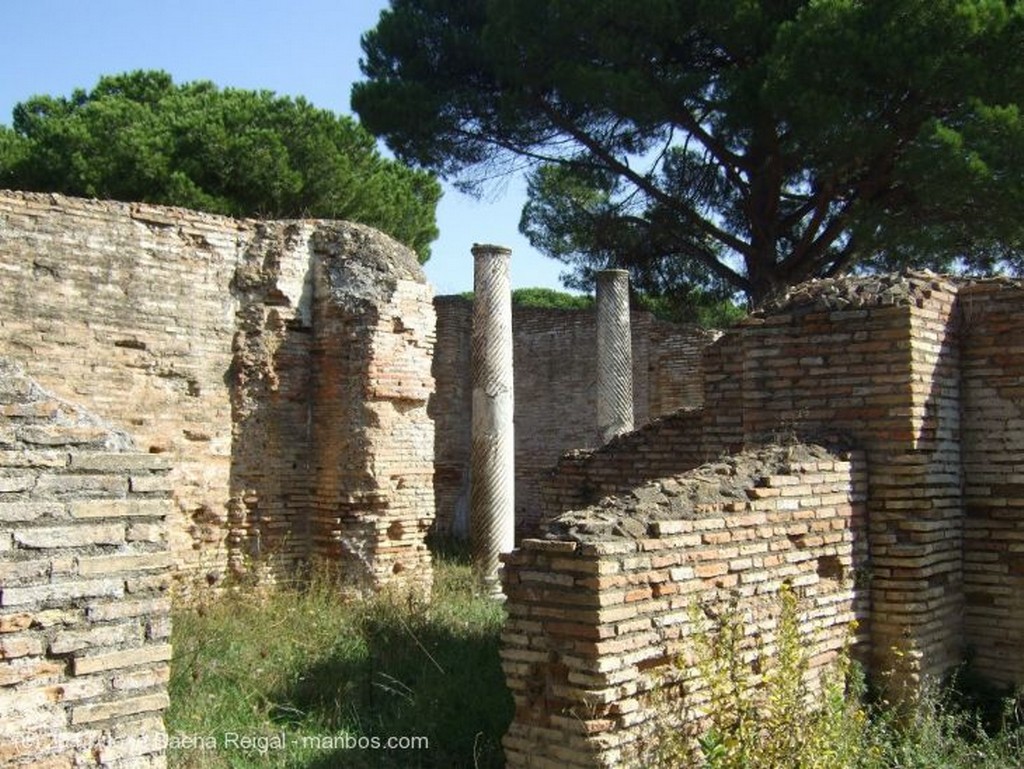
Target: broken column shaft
[614,356]
[492,459]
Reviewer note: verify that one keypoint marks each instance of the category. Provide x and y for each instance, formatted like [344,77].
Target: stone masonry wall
[373,440]
[992,320]
[601,606]
[873,360]
[200,335]
[84,571]
[555,407]
[127,309]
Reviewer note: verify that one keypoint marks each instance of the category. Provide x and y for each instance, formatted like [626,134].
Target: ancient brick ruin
[183,396]
[256,398]
[281,368]
[599,610]
[555,394]
[915,526]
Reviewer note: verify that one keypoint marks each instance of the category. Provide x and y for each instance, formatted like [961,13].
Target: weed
[748,705]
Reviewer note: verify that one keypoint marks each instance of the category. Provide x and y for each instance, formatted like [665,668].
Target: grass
[294,678]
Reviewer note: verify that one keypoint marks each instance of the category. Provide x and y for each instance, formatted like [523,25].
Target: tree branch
[723,237]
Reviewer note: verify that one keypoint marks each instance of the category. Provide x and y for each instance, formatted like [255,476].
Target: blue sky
[293,47]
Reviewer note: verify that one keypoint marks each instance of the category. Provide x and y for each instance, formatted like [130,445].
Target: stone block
[19,512]
[120,508]
[60,591]
[145,484]
[27,671]
[107,611]
[152,533]
[54,537]
[61,435]
[13,483]
[122,564]
[33,459]
[120,708]
[158,675]
[12,623]
[125,658]
[100,635]
[87,485]
[119,462]
[13,646]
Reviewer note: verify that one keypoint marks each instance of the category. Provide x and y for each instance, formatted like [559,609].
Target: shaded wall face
[270,381]
[886,377]
[992,320]
[451,409]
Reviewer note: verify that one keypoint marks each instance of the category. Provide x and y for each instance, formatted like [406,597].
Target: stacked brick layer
[878,365]
[127,309]
[84,569]
[599,609]
[372,437]
[992,319]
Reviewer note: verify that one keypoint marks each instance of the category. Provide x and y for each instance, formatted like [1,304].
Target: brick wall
[269,384]
[84,570]
[992,318]
[198,334]
[127,309]
[875,361]
[372,438]
[555,379]
[924,376]
[599,608]
[666,446]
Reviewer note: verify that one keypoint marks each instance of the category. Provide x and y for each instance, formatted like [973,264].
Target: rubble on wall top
[692,495]
[906,289]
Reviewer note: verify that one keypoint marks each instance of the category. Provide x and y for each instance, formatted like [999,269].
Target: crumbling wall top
[360,263]
[699,493]
[852,292]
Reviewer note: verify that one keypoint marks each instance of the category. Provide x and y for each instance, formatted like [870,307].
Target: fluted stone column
[614,356]
[492,461]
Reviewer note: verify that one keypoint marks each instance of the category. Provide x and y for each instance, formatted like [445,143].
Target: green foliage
[726,145]
[694,306]
[140,137]
[301,663]
[547,298]
[760,713]
[941,729]
[12,152]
